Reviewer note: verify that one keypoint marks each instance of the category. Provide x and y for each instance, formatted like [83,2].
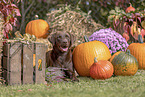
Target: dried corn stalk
[27,38]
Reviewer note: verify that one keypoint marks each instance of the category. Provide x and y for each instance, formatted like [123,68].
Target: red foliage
[119,3]
[10,12]
[128,22]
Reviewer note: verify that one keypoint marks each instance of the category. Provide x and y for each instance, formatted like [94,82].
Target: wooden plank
[6,49]
[5,62]
[6,59]
[28,63]
[14,78]
[5,76]
[14,48]
[0,68]
[14,69]
[40,51]
[1,46]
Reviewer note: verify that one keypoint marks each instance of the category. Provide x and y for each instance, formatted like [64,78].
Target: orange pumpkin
[101,69]
[124,63]
[38,27]
[138,51]
[130,8]
[83,55]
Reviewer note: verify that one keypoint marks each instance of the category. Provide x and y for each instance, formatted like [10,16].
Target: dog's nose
[65,42]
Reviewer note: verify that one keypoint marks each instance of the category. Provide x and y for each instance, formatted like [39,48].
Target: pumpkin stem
[130,4]
[95,60]
[36,17]
[86,38]
[128,51]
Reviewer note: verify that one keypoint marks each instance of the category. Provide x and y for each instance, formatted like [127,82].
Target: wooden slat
[14,48]
[5,76]
[6,59]
[14,64]
[5,62]
[28,63]
[40,51]
[14,78]
[6,49]
[0,67]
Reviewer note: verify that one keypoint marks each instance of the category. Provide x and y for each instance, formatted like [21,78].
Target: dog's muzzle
[63,48]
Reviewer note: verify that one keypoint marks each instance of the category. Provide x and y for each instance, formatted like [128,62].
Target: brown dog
[61,56]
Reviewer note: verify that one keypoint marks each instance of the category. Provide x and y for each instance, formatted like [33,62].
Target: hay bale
[74,21]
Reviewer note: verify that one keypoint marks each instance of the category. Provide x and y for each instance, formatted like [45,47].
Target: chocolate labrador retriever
[61,56]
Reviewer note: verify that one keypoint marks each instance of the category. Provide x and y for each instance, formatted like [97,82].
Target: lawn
[119,86]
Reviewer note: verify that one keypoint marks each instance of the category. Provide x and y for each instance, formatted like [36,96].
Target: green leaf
[112,12]
[143,24]
[117,9]
[8,17]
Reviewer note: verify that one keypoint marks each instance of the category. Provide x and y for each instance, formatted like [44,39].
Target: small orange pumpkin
[130,8]
[101,69]
[124,63]
[83,55]
[138,51]
[38,27]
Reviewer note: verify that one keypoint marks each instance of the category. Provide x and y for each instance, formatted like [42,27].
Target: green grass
[120,86]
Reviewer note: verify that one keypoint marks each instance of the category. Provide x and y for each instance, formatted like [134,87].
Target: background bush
[99,8]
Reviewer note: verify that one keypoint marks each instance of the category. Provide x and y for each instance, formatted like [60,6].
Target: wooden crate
[19,60]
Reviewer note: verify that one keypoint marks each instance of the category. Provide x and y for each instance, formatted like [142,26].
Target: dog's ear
[72,39]
[52,38]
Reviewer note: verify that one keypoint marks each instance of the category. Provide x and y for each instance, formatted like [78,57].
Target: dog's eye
[66,36]
[59,37]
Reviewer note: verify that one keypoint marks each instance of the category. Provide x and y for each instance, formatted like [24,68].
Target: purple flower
[114,41]
[117,48]
[110,51]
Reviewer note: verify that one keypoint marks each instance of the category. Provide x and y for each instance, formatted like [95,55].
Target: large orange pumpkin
[38,27]
[83,55]
[101,69]
[138,51]
[124,63]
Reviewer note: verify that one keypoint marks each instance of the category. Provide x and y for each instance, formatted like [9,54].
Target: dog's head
[62,40]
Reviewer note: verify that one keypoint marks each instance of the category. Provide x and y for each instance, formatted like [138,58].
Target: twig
[33,1]
[24,13]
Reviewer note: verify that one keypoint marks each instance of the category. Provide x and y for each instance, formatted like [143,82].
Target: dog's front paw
[75,80]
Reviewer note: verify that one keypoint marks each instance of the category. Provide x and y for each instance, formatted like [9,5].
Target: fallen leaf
[29,89]
[20,90]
